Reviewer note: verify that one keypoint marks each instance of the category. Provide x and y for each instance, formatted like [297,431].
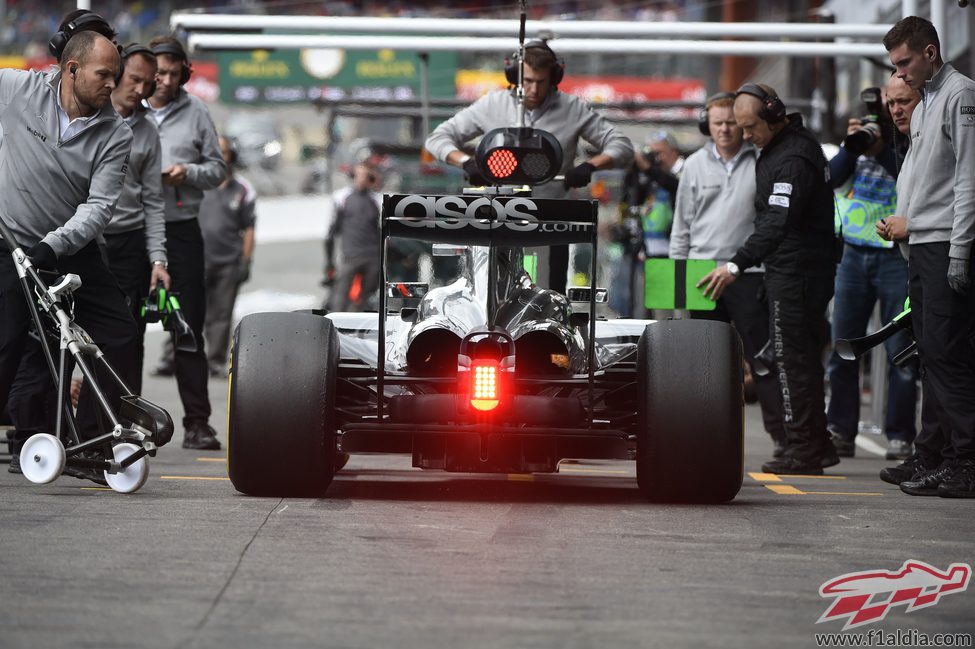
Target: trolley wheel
[42,458]
[133,476]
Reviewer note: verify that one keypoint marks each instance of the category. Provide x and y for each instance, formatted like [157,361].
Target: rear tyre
[281,407]
[690,442]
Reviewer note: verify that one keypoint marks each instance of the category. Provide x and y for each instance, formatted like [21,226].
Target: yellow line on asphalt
[211,459]
[565,470]
[764,477]
[784,489]
[188,477]
[521,477]
[843,493]
[816,477]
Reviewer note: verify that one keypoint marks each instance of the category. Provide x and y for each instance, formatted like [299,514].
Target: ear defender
[772,110]
[511,64]
[702,117]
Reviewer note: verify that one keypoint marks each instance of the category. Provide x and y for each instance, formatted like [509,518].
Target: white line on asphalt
[870,446]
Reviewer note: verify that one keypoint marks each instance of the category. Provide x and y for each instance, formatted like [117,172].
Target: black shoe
[898,449]
[200,437]
[829,457]
[86,473]
[341,459]
[844,447]
[165,368]
[926,483]
[789,465]
[778,448]
[14,464]
[903,471]
[961,482]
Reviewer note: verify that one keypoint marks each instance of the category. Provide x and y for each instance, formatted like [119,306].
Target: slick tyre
[281,410]
[690,412]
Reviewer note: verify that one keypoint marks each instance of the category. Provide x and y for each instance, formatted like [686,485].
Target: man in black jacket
[794,238]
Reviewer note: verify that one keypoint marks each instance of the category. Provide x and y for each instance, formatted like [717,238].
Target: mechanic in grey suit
[62,165]
[715,215]
[135,239]
[566,117]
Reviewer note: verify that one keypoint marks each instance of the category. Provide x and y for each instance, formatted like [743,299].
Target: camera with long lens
[871,125]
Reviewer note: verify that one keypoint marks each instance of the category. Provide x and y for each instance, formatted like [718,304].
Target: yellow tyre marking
[764,477]
[784,489]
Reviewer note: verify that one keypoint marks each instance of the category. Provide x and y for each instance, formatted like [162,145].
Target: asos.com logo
[866,597]
[455,212]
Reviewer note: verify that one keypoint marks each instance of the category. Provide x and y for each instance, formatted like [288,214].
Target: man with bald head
[794,238]
[872,271]
[62,165]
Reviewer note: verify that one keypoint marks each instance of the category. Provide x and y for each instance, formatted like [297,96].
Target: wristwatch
[161,263]
[733,269]
[464,160]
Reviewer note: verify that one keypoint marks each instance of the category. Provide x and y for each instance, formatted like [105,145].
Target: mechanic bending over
[870,270]
[715,215]
[136,237]
[936,193]
[565,116]
[191,163]
[62,167]
[794,238]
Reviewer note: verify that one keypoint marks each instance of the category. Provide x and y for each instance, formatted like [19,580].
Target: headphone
[511,64]
[773,110]
[702,117]
[176,49]
[129,50]
[87,22]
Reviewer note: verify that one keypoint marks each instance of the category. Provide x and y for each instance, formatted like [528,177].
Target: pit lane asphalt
[397,557]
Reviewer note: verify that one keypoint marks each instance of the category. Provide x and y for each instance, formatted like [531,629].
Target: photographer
[871,270]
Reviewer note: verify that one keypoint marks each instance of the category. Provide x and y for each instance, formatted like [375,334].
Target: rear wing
[485,221]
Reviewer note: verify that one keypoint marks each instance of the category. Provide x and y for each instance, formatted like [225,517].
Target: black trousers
[99,308]
[184,247]
[944,327]
[129,262]
[368,271]
[800,333]
[743,305]
[222,281]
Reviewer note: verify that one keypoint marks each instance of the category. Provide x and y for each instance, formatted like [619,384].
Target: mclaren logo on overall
[455,212]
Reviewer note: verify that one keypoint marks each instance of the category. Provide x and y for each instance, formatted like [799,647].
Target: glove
[474,173]
[579,176]
[244,270]
[42,256]
[329,277]
[958,278]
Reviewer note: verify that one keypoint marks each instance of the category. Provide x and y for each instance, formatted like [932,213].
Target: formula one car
[484,371]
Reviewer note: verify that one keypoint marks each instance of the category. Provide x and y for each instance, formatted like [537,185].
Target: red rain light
[502,163]
[484,385]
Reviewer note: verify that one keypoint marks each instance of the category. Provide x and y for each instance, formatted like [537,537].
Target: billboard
[287,76]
